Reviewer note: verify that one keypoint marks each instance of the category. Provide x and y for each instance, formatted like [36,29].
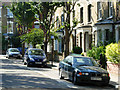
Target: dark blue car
[81,69]
[34,56]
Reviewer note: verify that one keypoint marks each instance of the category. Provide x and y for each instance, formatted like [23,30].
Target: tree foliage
[23,13]
[96,51]
[45,11]
[35,36]
[112,53]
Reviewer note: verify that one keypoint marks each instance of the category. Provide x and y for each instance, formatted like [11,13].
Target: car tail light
[80,73]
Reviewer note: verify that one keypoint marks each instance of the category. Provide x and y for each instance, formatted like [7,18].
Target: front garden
[109,57]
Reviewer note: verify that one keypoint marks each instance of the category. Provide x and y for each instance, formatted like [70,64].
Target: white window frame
[90,12]
[110,9]
[0,27]
[11,22]
[56,44]
[0,11]
[99,11]
[82,15]
[60,44]
[9,13]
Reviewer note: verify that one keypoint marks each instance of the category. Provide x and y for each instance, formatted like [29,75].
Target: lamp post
[52,37]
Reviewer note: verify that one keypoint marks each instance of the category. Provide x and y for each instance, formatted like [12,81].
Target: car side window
[68,60]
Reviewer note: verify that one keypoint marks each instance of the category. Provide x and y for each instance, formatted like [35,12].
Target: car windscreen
[14,50]
[84,61]
[36,52]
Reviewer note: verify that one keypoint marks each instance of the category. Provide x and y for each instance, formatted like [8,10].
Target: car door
[25,56]
[69,67]
[66,65]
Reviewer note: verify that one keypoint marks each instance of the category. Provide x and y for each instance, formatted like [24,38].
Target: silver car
[13,52]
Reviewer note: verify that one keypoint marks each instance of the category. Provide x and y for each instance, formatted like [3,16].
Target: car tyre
[75,79]
[105,84]
[60,74]
[28,65]
[25,63]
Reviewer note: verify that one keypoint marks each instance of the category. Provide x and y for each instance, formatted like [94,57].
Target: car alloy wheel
[75,79]
[60,74]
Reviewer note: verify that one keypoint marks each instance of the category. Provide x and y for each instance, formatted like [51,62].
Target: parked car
[34,56]
[80,69]
[13,52]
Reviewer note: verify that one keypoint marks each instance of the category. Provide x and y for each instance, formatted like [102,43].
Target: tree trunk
[23,49]
[66,49]
[23,45]
[45,45]
[67,30]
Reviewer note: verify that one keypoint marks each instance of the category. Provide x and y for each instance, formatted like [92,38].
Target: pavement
[112,82]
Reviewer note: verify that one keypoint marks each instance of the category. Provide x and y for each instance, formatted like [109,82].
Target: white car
[13,52]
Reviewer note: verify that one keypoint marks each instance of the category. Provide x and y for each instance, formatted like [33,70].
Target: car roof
[34,49]
[12,48]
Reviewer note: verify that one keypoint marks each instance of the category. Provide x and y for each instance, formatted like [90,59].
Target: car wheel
[25,63]
[75,79]
[28,65]
[60,74]
[105,84]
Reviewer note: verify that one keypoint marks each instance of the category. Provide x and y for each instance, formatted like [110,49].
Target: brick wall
[114,71]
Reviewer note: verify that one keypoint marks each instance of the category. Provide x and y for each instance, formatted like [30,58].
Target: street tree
[23,15]
[45,11]
[35,36]
[69,10]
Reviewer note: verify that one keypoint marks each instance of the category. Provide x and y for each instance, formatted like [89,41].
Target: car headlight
[104,74]
[44,59]
[31,59]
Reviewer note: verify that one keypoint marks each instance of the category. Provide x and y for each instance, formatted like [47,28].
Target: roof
[106,21]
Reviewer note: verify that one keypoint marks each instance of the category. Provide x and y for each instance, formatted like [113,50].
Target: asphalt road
[15,75]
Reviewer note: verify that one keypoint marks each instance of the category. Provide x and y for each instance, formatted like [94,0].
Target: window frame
[0,27]
[0,12]
[10,22]
[99,5]
[81,14]
[110,10]
[89,12]
[9,13]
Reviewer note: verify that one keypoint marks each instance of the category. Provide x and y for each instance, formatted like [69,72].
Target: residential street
[18,76]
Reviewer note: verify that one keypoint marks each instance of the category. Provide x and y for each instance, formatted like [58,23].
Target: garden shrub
[96,51]
[112,53]
[77,50]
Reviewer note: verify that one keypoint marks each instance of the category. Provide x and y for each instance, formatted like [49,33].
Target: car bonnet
[91,69]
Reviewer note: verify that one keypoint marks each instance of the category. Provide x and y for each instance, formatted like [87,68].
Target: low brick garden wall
[114,71]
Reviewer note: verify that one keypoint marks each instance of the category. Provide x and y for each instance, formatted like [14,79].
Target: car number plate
[38,62]
[14,55]
[96,78]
